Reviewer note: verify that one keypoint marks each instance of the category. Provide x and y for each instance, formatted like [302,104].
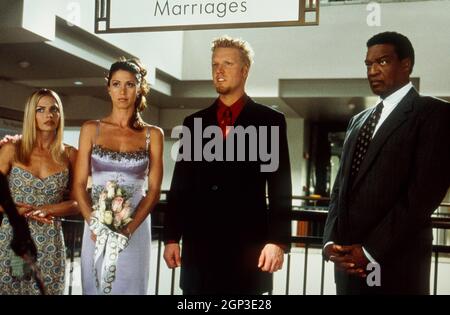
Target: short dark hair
[401,43]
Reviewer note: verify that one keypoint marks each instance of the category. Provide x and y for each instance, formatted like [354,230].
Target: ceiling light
[78,83]
[24,64]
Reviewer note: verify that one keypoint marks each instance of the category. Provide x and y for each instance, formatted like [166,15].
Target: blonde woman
[38,168]
[120,151]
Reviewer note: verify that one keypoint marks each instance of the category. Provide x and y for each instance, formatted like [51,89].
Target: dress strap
[97,131]
[147,138]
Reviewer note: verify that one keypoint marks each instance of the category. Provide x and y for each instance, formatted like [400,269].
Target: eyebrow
[379,58]
[384,56]
[43,106]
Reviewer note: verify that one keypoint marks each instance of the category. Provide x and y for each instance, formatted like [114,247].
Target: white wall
[158,49]
[71,135]
[336,48]
[295,130]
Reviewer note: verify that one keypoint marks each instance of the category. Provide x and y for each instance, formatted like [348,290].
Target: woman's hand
[127,231]
[24,209]
[41,215]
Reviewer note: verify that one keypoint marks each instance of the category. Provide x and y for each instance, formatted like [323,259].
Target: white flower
[110,189]
[102,205]
[127,220]
[108,217]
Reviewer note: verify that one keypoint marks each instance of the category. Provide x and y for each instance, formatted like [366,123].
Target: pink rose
[117,204]
[125,213]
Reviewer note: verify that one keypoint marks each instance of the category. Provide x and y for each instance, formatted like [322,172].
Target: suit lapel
[392,122]
[210,116]
[245,114]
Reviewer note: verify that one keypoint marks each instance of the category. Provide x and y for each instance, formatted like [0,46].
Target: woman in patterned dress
[38,168]
[119,151]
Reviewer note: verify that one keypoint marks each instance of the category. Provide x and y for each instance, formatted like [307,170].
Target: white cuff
[373,261]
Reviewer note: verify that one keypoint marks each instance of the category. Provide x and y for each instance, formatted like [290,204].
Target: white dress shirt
[390,103]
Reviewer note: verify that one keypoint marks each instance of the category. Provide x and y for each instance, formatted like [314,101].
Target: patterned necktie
[364,138]
[227,120]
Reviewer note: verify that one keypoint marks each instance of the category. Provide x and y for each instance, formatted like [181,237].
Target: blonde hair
[135,67]
[29,128]
[244,47]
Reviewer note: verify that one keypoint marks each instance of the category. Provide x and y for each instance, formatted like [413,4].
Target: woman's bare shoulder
[90,125]
[155,131]
[69,149]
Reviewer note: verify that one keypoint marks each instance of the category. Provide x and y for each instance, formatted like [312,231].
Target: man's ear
[245,70]
[407,65]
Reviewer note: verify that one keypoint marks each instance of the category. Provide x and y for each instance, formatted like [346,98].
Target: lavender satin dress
[128,170]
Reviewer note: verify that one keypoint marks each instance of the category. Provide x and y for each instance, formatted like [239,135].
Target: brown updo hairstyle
[135,67]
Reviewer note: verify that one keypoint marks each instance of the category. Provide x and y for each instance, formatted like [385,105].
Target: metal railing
[310,215]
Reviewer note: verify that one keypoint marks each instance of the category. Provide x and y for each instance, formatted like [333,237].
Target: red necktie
[227,120]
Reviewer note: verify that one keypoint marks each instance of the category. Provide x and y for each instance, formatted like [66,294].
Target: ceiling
[45,62]
[54,68]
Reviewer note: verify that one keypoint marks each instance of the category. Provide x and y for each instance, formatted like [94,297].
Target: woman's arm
[154,181]
[82,169]
[66,208]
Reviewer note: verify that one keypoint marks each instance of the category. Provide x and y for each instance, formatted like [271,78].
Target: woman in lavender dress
[119,151]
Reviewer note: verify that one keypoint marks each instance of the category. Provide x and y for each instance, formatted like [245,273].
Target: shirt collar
[395,98]
[236,107]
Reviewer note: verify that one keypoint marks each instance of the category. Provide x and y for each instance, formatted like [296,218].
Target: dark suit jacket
[219,209]
[387,209]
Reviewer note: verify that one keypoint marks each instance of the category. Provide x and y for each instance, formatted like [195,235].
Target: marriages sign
[119,16]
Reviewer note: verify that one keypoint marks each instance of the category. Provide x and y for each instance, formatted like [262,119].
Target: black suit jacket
[387,208]
[219,209]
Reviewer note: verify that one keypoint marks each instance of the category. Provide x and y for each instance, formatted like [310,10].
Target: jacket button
[214,187]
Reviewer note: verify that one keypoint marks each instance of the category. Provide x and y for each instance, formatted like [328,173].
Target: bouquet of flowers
[113,206]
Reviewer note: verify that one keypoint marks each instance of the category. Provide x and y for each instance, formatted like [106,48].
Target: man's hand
[9,138]
[271,258]
[172,255]
[332,250]
[350,259]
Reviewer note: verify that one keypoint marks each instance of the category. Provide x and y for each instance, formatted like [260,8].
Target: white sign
[156,15]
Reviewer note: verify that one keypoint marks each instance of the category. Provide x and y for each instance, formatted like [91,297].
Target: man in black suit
[394,172]
[232,239]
